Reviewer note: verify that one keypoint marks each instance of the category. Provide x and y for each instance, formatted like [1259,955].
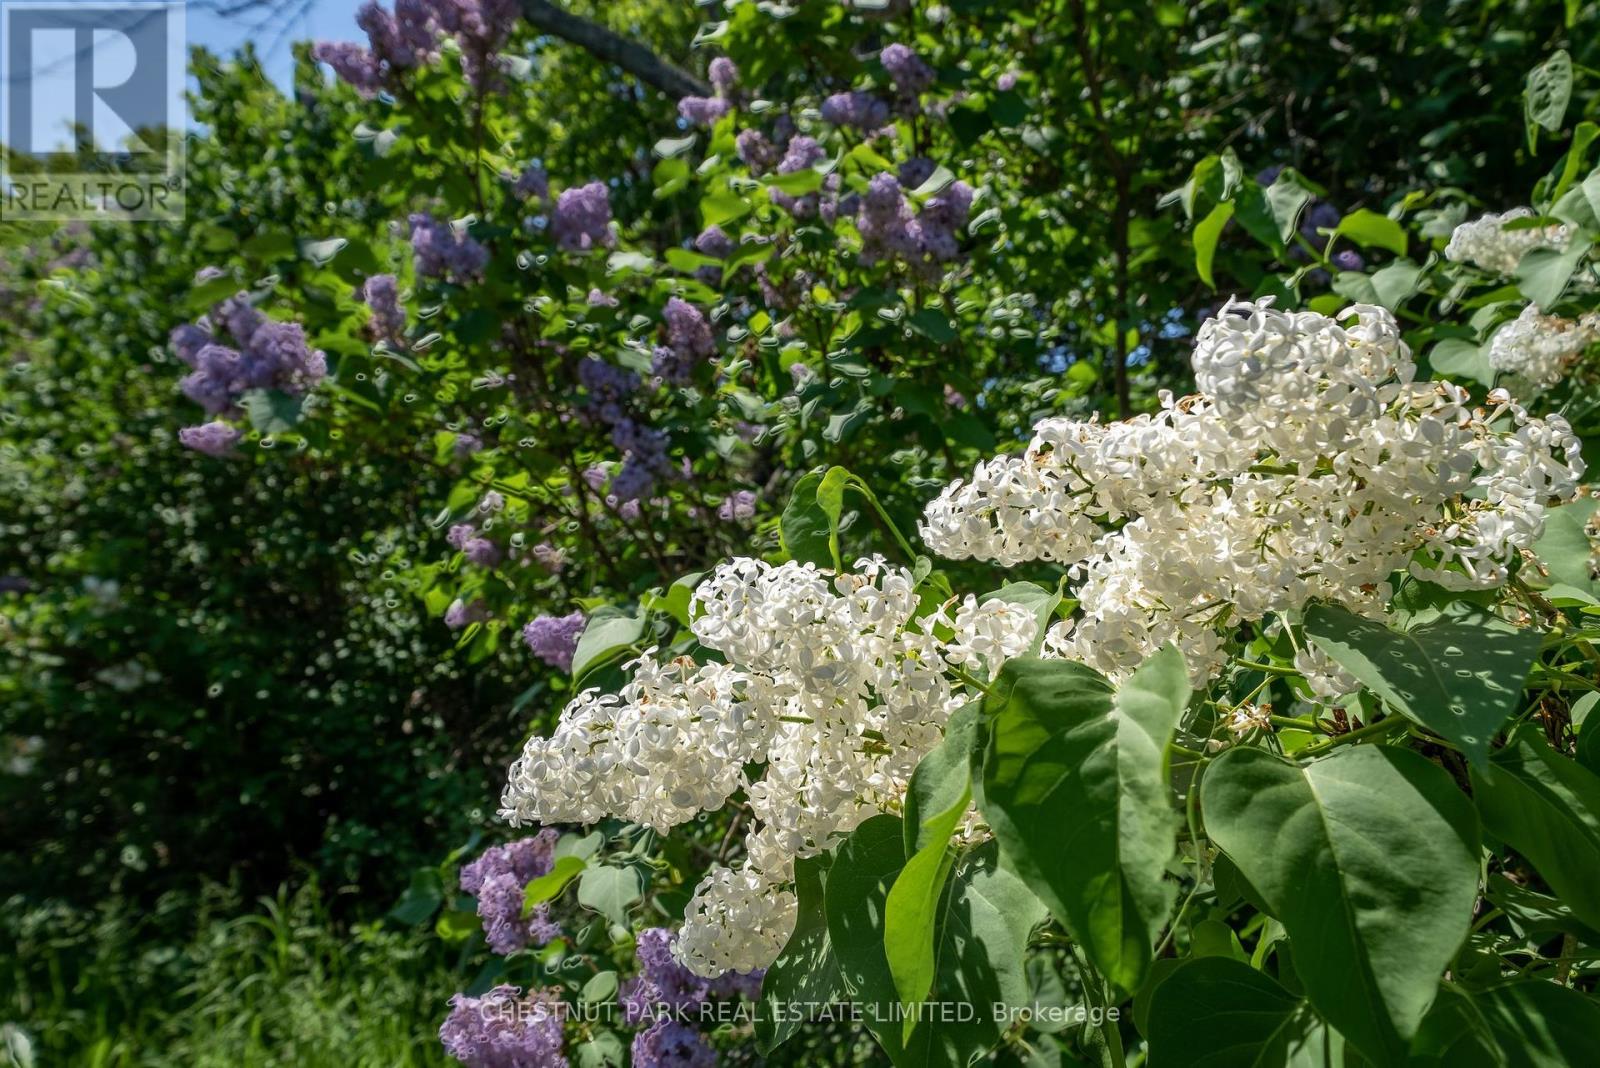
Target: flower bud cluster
[1538,347]
[1488,244]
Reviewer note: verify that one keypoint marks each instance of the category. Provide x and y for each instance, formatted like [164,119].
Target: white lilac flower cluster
[832,689]
[1487,243]
[1311,466]
[1539,347]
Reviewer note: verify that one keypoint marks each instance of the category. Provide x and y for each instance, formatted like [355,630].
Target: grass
[194,983]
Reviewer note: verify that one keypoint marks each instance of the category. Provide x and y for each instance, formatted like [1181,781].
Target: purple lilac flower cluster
[503,1029]
[925,240]
[215,438]
[582,218]
[478,550]
[554,639]
[409,37]
[724,75]
[713,241]
[703,110]
[644,459]
[480,27]
[498,879]
[381,293]
[689,342]
[756,151]
[669,1043]
[270,355]
[666,995]
[706,110]
[607,389]
[803,152]
[532,184]
[856,108]
[644,448]
[440,250]
[906,69]
[396,42]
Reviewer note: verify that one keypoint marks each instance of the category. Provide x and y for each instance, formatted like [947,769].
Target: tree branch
[612,47]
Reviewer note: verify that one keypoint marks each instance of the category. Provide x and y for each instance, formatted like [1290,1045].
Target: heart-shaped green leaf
[1321,843]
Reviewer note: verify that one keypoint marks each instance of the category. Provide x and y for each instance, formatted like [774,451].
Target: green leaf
[207,293]
[1546,807]
[269,244]
[1454,1034]
[272,411]
[1287,197]
[804,526]
[681,259]
[1540,1024]
[1533,915]
[721,208]
[939,795]
[604,1050]
[1566,551]
[1546,94]
[1254,213]
[1213,1012]
[1369,229]
[602,986]
[797,183]
[932,324]
[830,498]
[550,884]
[421,899]
[1587,724]
[1462,358]
[1396,283]
[805,973]
[1582,137]
[1543,273]
[456,925]
[611,891]
[608,636]
[1206,234]
[941,787]
[581,846]
[981,945]
[1321,842]
[1075,787]
[1458,675]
